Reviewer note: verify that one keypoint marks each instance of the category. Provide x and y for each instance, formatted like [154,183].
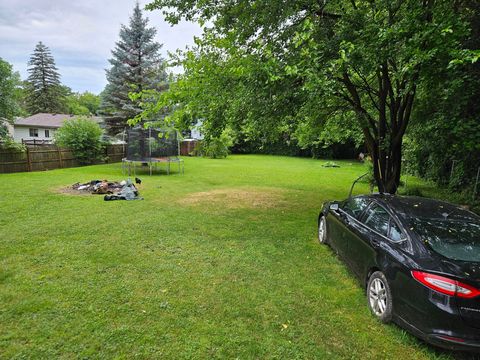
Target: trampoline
[151,147]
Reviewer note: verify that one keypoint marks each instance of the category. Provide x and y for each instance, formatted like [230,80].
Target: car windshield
[453,238]
[355,206]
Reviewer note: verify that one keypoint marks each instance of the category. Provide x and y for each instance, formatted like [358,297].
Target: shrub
[218,147]
[8,143]
[3,131]
[83,137]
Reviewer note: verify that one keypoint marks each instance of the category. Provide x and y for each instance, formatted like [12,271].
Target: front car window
[456,239]
[355,206]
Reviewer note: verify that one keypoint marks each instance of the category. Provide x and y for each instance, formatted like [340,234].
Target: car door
[350,211]
[336,231]
[376,231]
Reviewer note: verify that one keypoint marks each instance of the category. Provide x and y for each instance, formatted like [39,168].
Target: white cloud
[80,35]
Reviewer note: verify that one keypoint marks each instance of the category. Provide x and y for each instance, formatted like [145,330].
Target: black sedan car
[419,260]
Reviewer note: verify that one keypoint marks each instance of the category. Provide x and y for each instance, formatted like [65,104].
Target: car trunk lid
[469,307]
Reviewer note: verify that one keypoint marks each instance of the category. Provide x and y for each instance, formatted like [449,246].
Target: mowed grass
[221,262]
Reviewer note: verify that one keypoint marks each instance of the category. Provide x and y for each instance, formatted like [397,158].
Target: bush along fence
[48,157]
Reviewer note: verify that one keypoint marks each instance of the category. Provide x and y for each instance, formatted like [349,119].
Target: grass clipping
[237,198]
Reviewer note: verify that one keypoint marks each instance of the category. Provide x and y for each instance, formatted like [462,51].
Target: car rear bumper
[453,342]
[447,339]
[432,316]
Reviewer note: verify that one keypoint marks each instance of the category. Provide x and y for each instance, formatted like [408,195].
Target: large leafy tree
[444,139]
[352,64]
[10,91]
[135,66]
[85,103]
[44,90]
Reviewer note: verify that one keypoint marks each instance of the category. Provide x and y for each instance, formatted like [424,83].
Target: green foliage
[83,137]
[153,110]
[44,90]
[10,91]
[445,131]
[74,107]
[8,143]
[82,104]
[3,131]
[316,72]
[410,191]
[218,147]
[135,66]
[90,101]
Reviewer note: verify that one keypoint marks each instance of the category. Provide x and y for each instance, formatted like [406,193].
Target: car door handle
[375,242]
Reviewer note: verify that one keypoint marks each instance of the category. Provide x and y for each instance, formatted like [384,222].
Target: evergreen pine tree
[136,66]
[44,90]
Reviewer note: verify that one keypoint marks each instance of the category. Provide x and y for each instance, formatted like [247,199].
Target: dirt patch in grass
[237,198]
[69,191]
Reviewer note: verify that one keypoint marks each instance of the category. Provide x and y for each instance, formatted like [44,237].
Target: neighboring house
[42,126]
[196,132]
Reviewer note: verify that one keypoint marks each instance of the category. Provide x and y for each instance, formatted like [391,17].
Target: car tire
[379,297]
[322,230]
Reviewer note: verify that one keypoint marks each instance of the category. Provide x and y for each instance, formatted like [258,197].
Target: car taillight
[445,285]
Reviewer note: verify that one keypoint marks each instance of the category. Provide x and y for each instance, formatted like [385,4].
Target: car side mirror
[334,207]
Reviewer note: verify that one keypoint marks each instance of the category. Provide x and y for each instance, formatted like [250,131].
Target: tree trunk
[383,138]
[386,168]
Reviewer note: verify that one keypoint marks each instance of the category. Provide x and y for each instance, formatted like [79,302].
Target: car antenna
[356,180]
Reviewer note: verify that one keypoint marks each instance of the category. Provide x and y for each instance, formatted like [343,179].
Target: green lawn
[221,262]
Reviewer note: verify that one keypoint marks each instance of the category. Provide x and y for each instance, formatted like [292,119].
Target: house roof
[49,120]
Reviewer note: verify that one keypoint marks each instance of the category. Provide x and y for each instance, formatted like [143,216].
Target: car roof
[408,207]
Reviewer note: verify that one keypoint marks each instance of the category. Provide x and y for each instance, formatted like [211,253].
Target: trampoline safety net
[145,145]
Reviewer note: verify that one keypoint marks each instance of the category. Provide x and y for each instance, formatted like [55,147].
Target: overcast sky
[80,35]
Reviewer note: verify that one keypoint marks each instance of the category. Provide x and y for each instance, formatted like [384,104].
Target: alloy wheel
[322,230]
[378,297]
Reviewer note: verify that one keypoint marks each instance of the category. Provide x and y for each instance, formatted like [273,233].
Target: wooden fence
[48,157]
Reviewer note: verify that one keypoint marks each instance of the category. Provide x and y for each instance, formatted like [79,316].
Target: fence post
[476,183]
[451,171]
[29,161]
[60,161]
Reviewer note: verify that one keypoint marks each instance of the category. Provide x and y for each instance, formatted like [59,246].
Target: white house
[42,126]
[196,132]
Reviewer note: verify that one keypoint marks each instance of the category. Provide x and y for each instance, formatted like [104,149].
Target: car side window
[355,206]
[377,219]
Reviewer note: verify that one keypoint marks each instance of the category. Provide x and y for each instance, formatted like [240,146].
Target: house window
[47,133]
[33,132]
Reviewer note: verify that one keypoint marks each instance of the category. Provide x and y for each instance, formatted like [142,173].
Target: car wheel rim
[321,230]
[378,297]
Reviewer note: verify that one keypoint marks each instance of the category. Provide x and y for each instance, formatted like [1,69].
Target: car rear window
[455,239]
[395,233]
[355,206]
[377,218]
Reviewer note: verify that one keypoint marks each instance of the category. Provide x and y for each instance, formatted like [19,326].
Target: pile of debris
[113,190]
